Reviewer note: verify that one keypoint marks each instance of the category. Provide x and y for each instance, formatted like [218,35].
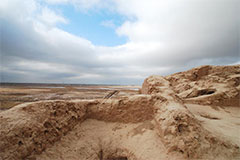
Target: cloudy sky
[114,41]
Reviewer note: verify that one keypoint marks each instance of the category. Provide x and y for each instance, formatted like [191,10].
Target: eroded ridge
[208,85]
[179,130]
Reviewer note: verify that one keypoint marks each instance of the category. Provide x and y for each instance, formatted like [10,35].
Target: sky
[114,41]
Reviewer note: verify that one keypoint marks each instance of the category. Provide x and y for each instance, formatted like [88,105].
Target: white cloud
[50,18]
[56,1]
[43,66]
[19,10]
[108,23]
[164,37]
[83,5]
[86,4]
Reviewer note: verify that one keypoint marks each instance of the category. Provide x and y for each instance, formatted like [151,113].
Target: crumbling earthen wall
[133,109]
[224,80]
[29,129]
[179,130]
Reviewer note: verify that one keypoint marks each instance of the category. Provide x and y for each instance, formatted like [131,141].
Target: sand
[88,140]
[223,122]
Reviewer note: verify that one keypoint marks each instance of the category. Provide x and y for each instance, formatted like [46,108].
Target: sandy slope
[222,122]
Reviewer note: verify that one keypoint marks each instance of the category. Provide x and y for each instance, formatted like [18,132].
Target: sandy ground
[222,122]
[92,137]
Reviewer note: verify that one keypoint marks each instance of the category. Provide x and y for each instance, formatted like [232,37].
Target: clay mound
[208,85]
[179,130]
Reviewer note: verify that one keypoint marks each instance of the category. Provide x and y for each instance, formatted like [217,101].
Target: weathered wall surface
[28,129]
[208,85]
[179,130]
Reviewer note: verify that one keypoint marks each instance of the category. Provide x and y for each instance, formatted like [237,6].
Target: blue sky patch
[95,26]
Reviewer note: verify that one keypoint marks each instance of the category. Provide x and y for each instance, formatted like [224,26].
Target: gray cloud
[164,37]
